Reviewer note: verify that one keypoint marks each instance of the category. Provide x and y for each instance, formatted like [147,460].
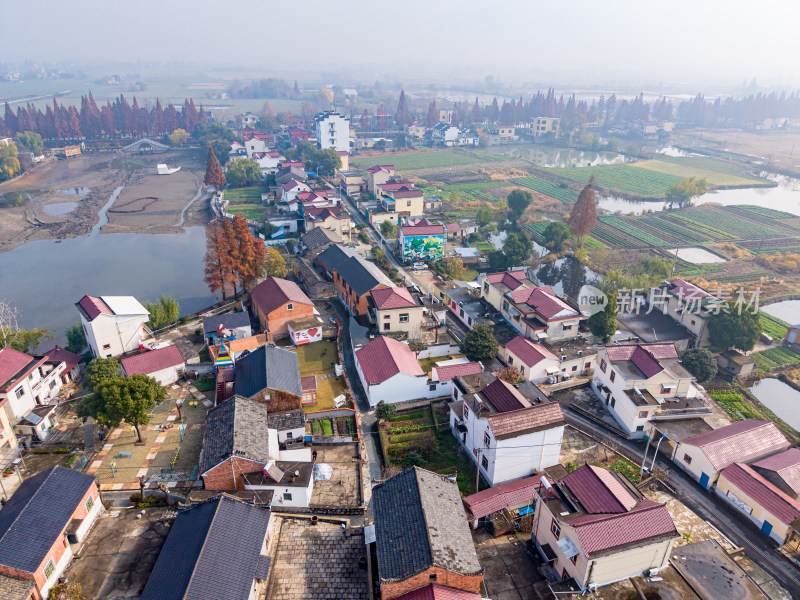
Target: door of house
[704,480]
[766,527]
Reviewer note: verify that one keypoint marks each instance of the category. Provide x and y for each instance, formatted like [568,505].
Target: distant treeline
[113,119]
[263,88]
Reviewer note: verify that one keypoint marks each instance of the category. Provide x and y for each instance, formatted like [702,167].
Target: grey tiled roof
[267,367]
[420,523]
[34,518]
[362,275]
[237,426]
[334,256]
[229,321]
[288,419]
[319,237]
[212,551]
[15,588]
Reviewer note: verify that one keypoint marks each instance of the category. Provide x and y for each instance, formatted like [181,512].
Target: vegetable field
[736,406]
[547,188]
[692,168]
[775,358]
[537,231]
[773,326]
[625,179]
[244,195]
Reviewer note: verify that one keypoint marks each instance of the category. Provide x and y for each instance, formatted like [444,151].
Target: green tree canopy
[555,235]
[242,171]
[32,142]
[518,201]
[123,399]
[388,229]
[323,162]
[734,328]
[76,338]
[9,162]
[479,344]
[485,215]
[100,370]
[700,363]
[385,411]
[603,324]
[221,149]
[683,192]
[162,313]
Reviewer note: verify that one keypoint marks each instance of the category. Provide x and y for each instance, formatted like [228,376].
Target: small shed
[39,422]
[736,364]
[305,331]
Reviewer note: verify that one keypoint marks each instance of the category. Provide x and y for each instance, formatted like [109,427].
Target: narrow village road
[708,506]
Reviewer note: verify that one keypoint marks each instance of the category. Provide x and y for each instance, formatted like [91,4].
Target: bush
[385,411]
[627,469]
[362,235]
[71,460]
[316,428]
[62,451]
[409,416]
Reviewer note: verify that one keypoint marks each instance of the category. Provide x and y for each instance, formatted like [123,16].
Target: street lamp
[178,404]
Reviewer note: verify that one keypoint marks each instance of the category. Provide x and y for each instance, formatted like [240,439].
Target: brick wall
[221,477]
[468,583]
[274,324]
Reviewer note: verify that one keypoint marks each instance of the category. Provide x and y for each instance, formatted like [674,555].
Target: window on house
[289,306]
[505,305]
[289,435]
[387,326]
[603,365]
[574,367]
[487,439]
[665,389]
[587,365]
[640,428]
[89,504]
[287,496]
[485,463]
[566,327]
[510,361]
[574,559]
[19,392]
[486,286]
[49,570]
[613,401]
[643,414]
[387,317]
[52,384]
[466,408]
[432,578]
[30,376]
[404,318]
[106,346]
[687,459]
[613,375]
[432,387]
[555,528]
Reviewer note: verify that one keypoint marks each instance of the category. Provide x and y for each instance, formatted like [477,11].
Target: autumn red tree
[214,175]
[247,252]
[403,116]
[584,214]
[218,259]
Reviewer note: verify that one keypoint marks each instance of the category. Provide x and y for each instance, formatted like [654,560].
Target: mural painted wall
[423,247]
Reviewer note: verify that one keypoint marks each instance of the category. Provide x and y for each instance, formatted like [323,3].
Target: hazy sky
[579,40]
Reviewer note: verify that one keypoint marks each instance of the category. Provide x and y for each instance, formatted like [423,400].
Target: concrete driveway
[508,570]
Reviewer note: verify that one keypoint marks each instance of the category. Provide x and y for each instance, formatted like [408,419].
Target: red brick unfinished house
[41,527]
[277,301]
[422,535]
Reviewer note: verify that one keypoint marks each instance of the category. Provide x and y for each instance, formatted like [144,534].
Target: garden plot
[696,256]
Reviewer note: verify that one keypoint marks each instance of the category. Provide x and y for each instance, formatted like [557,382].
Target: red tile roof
[378,168]
[512,493]
[511,278]
[274,292]
[308,383]
[543,300]
[645,356]
[741,441]
[12,362]
[395,186]
[60,355]
[768,496]
[422,230]
[453,228]
[686,290]
[529,352]
[384,358]
[786,465]
[598,490]
[93,307]
[407,194]
[447,372]
[153,360]
[434,591]
[504,396]
[293,183]
[526,420]
[604,531]
[394,297]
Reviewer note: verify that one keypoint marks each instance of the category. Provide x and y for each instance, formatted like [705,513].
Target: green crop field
[775,358]
[729,222]
[711,164]
[536,230]
[690,168]
[773,326]
[766,212]
[547,188]
[625,179]
[252,212]
[245,195]
[627,226]
[732,403]
[475,185]
[420,160]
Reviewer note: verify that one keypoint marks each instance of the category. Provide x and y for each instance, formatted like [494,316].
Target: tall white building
[113,325]
[333,131]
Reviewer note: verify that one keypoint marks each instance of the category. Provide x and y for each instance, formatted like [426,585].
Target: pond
[13,199]
[75,191]
[780,398]
[59,209]
[787,310]
[565,275]
[44,278]
[785,197]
